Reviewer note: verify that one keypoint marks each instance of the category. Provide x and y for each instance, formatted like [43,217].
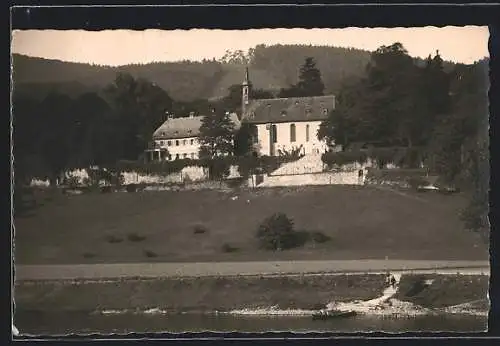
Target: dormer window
[283,113]
[325,111]
[296,103]
[189,131]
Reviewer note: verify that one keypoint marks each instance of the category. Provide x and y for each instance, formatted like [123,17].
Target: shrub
[235,182]
[228,248]
[150,254]
[113,239]
[296,239]
[186,179]
[200,229]
[131,187]
[72,181]
[414,286]
[274,233]
[106,189]
[319,237]
[135,237]
[290,155]
[344,157]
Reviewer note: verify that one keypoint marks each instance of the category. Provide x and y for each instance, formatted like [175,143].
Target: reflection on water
[81,323]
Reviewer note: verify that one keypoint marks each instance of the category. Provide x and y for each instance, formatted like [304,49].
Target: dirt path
[154,270]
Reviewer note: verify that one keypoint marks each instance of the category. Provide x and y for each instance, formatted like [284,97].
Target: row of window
[177,142]
[180,156]
[293,133]
[184,156]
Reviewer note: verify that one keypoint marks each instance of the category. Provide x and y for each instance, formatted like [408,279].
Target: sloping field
[193,226]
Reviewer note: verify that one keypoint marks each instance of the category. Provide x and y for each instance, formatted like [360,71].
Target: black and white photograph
[257,180]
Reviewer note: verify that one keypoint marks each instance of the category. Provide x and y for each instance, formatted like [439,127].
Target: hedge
[401,156]
[246,164]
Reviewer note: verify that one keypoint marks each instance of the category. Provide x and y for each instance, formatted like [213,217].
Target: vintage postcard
[301,180]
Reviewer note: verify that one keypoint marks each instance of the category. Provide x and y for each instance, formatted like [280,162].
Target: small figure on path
[393,281]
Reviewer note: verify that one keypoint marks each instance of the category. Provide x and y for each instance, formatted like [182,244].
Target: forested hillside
[271,68]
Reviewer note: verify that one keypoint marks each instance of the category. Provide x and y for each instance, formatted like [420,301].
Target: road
[158,270]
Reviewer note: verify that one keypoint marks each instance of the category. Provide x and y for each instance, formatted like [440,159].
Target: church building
[286,124]
[283,125]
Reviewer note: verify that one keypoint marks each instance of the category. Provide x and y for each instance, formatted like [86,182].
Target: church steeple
[245,97]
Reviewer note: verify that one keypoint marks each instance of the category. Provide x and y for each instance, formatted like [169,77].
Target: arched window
[274,133]
[307,133]
[292,132]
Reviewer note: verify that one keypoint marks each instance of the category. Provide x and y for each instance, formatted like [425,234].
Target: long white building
[177,138]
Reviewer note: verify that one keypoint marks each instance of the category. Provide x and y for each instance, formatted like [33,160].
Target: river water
[32,323]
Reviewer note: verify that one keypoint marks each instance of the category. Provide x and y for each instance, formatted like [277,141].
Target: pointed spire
[247,79]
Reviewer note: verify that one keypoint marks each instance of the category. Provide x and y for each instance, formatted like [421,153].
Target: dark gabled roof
[288,109]
[185,127]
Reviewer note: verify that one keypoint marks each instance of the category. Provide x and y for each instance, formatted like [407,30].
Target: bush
[344,157]
[319,237]
[227,248]
[131,188]
[296,239]
[150,254]
[106,189]
[72,181]
[415,286]
[113,239]
[235,183]
[274,233]
[290,155]
[200,229]
[135,237]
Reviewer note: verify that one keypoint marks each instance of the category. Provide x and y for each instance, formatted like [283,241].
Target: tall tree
[216,135]
[56,131]
[310,82]
[91,142]
[26,138]
[244,139]
[141,107]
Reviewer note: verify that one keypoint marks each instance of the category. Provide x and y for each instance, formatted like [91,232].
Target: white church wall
[305,136]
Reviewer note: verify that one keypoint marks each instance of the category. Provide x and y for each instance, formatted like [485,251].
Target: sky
[120,47]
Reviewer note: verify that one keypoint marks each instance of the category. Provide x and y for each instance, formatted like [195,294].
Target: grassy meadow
[207,225]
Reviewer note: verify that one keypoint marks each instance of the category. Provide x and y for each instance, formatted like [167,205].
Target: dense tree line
[59,133]
[442,115]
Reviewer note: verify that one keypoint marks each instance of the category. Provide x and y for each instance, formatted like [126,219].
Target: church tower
[245,90]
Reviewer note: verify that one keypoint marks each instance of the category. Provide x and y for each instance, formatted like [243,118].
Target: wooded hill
[271,68]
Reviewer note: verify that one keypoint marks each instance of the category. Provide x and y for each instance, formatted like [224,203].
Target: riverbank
[207,294]
[260,295]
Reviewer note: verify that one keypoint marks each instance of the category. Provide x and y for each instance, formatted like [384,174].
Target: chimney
[333,102]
